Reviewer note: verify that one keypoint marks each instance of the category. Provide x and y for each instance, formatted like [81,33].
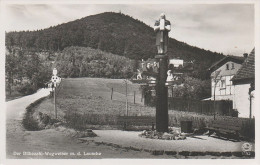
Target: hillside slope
[111,32]
[87,62]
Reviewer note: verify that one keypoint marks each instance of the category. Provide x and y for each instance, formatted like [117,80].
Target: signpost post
[157,75]
[161,28]
[55,109]
[55,79]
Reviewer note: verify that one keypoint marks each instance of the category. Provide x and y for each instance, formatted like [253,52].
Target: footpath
[191,146]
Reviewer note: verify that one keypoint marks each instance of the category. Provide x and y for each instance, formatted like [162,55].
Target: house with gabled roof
[244,87]
[222,72]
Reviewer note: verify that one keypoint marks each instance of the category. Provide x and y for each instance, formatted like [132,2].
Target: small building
[244,87]
[222,72]
[176,62]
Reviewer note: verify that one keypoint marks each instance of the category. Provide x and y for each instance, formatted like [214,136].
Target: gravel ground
[52,143]
[55,141]
[201,143]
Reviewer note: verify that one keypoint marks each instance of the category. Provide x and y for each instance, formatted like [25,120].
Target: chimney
[245,55]
[245,58]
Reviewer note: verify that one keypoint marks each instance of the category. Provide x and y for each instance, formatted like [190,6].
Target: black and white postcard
[130,81]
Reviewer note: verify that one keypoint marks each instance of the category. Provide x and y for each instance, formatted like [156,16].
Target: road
[23,144]
[59,143]
[16,108]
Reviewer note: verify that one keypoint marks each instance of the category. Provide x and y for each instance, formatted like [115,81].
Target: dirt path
[16,108]
[21,144]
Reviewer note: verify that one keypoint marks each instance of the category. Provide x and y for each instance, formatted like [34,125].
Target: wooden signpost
[162,28]
[157,74]
[55,79]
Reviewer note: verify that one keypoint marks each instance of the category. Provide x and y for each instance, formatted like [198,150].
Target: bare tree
[216,79]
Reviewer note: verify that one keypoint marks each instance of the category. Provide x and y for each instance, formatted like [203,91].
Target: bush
[80,121]
[26,89]
[248,129]
[198,121]
[28,122]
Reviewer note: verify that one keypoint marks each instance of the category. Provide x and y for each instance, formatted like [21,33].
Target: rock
[89,130]
[167,136]
[180,137]
[173,135]
[177,138]
[41,125]
[57,124]
[170,152]
[90,134]
[157,152]
[184,153]
[48,126]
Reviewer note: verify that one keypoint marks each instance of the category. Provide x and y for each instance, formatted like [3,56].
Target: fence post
[112,94]
[134,97]
[201,106]
[142,95]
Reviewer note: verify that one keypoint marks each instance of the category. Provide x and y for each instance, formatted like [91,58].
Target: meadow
[85,102]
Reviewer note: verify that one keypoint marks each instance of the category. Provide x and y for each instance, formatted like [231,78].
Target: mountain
[110,32]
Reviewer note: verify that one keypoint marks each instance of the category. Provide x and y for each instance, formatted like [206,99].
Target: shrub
[26,89]
[28,122]
[79,121]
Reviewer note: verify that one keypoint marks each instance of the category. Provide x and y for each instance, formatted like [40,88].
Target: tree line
[116,33]
[88,62]
[25,71]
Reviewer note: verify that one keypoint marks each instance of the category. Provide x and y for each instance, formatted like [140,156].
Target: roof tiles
[247,71]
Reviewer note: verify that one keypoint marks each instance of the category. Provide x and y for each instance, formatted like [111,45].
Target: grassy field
[83,101]
[88,101]
[93,95]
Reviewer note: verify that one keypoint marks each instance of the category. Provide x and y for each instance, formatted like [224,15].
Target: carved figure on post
[169,76]
[139,75]
[162,28]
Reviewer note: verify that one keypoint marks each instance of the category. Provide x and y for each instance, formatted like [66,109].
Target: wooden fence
[222,107]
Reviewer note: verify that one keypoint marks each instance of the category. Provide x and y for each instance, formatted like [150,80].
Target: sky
[223,28]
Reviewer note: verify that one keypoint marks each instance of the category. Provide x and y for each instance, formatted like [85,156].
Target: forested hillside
[111,32]
[103,45]
[88,62]
[26,71]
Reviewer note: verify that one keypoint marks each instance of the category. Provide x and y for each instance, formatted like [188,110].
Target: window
[227,66]
[217,82]
[233,66]
[223,83]
[228,82]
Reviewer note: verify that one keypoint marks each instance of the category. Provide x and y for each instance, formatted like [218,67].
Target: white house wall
[176,62]
[224,88]
[241,100]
